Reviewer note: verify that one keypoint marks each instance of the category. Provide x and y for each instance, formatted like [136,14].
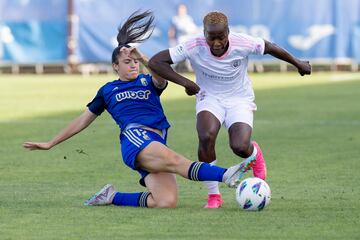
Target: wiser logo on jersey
[133,95]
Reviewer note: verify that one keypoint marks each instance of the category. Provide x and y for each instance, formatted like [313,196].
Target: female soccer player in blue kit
[133,101]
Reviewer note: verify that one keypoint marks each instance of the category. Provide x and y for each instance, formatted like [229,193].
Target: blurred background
[308,127]
[78,36]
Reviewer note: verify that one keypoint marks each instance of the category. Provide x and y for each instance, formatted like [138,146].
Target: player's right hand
[191,88]
[37,145]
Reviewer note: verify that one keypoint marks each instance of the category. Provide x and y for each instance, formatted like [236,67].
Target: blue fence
[33,31]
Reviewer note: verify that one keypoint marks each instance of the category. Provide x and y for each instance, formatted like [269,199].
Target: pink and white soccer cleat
[233,175]
[259,168]
[214,201]
[103,197]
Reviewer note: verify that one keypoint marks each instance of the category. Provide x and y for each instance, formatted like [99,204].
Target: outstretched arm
[74,127]
[303,67]
[160,63]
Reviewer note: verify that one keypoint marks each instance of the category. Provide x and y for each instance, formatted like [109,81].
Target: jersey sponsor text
[132,95]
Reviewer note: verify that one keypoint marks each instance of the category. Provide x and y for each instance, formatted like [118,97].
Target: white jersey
[225,76]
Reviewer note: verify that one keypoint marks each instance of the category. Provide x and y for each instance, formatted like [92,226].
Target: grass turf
[308,127]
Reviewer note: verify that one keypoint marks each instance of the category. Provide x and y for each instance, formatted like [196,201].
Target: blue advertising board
[322,29]
[36,30]
[33,31]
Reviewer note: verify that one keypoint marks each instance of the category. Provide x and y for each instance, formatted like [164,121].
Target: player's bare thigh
[207,122]
[157,157]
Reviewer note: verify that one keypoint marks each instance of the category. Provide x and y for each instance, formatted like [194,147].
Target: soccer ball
[253,194]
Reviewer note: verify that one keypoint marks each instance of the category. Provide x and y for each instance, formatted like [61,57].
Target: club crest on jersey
[180,49]
[141,94]
[236,63]
[143,81]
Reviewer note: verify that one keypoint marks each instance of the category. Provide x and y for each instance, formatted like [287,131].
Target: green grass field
[308,127]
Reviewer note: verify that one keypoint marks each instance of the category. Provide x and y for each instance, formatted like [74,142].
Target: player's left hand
[191,88]
[304,68]
[133,52]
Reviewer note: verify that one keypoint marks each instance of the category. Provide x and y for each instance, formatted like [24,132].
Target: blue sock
[200,171]
[138,199]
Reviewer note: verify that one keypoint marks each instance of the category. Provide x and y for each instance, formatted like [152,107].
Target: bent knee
[240,149]
[169,202]
[207,137]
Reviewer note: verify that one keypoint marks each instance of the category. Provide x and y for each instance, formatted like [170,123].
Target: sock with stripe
[200,171]
[138,199]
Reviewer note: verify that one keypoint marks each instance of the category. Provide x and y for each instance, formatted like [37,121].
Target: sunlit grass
[308,128]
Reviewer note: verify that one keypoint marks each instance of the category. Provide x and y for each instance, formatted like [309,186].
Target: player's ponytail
[137,28]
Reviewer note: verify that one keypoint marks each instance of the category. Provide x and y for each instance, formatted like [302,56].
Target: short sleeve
[253,45]
[259,46]
[178,53]
[97,105]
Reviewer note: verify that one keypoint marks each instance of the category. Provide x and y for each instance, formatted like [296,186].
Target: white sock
[212,186]
[253,155]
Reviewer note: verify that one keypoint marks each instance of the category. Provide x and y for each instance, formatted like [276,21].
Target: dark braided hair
[137,28]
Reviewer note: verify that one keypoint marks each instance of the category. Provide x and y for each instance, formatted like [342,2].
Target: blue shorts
[133,141]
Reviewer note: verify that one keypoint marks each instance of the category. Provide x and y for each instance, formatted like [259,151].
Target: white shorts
[228,111]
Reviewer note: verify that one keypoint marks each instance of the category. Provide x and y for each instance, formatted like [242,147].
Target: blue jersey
[131,103]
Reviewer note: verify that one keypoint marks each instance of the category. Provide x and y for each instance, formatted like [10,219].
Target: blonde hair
[215,18]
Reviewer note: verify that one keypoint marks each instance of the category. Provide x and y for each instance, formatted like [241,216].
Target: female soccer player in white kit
[224,93]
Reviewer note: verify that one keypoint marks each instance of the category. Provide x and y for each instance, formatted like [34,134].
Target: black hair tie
[123,45]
